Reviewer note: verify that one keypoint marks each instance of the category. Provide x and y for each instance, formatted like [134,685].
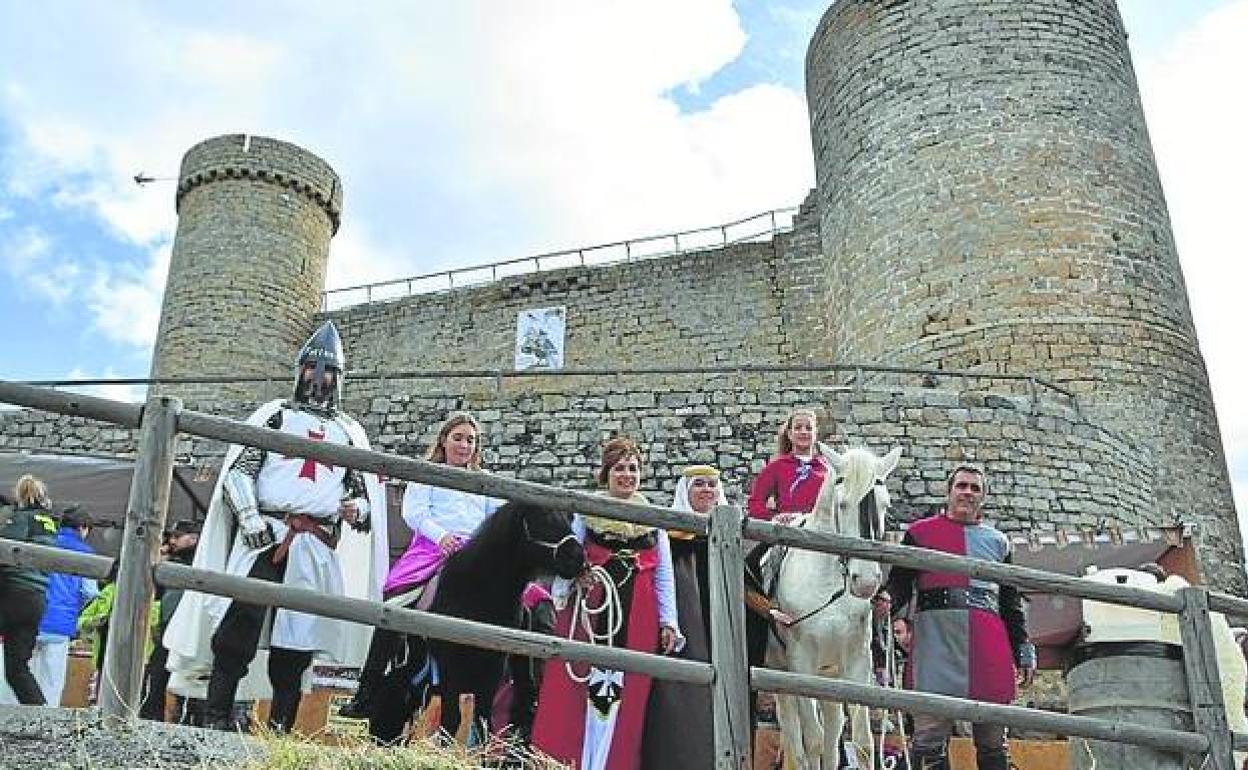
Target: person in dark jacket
[66,596]
[179,548]
[22,588]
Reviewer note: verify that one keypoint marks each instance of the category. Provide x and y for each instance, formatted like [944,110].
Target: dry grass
[285,752]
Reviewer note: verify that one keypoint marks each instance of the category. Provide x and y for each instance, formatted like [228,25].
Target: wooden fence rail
[17,553]
[429,624]
[727,673]
[519,642]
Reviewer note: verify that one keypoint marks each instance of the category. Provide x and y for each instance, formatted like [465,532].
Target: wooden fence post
[1204,685]
[730,690]
[122,682]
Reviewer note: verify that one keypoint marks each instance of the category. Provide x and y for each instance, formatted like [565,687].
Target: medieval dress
[433,513]
[354,568]
[595,717]
[678,724]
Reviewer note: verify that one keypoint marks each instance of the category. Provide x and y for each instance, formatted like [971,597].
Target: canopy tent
[1055,621]
[100,486]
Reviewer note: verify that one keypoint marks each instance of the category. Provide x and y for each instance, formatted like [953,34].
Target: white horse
[830,598]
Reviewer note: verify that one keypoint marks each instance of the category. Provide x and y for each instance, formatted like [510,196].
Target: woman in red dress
[592,717]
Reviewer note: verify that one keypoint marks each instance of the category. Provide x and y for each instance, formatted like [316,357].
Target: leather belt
[297,523]
[958,599]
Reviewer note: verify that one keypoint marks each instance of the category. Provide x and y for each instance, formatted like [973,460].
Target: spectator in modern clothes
[179,547]
[66,596]
[22,588]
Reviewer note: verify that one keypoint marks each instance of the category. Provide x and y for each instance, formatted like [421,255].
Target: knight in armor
[300,522]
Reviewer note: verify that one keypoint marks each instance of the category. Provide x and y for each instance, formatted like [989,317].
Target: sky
[473,131]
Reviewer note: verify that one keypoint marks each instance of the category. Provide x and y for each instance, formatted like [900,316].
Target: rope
[584,615]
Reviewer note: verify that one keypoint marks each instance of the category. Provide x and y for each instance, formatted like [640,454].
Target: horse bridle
[554,547]
[869,525]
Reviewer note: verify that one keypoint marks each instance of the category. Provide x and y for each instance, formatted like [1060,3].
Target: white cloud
[477,130]
[125,303]
[115,391]
[28,258]
[1196,126]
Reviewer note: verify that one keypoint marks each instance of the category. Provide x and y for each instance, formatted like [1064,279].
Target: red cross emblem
[308,471]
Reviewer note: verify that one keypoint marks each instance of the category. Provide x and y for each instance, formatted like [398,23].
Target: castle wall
[989,201]
[1050,468]
[750,302]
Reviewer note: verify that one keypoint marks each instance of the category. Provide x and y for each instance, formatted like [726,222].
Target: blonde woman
[789,484]
[22,589]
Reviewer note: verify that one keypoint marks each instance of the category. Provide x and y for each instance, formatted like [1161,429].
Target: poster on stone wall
[539,338]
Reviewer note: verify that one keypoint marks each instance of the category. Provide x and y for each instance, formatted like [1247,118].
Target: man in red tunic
[968,633]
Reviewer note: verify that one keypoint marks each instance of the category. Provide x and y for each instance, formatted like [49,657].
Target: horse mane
[860,473]
[493,538]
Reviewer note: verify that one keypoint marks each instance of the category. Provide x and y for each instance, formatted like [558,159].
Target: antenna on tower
[141,179]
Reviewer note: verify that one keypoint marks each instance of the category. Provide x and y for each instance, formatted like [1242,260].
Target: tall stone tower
[989,201]
[255,217]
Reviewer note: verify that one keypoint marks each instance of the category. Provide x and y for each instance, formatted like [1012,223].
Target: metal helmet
[324,363]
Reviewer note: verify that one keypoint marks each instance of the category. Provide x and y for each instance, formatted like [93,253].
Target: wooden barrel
[1140,682]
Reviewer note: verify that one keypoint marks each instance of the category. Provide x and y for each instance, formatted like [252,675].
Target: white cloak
[363,559]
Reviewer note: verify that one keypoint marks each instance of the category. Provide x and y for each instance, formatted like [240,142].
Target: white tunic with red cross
[301,485]
[295,485]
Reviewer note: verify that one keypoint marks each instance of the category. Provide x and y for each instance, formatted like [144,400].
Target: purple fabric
[422,559]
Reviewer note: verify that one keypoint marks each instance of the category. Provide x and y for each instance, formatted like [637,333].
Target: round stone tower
[255,217]
[989,201]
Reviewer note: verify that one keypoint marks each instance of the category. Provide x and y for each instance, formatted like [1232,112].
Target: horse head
[548,542]
[856,501]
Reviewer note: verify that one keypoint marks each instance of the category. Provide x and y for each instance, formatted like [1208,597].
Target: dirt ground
[77,739]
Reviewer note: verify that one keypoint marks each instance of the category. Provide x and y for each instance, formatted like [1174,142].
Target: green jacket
[29,525]
[93,623]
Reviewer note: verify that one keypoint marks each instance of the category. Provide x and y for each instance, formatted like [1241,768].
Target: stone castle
[985,271]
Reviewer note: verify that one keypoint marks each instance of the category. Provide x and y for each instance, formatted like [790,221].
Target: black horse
[482,581]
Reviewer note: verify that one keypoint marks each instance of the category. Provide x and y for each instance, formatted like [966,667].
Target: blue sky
[479,130]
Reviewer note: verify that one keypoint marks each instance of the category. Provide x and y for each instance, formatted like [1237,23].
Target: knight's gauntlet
[240,493]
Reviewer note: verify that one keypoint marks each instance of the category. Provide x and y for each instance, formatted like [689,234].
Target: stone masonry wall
[704,308]
[1049,467]
[989,201]
[255,217]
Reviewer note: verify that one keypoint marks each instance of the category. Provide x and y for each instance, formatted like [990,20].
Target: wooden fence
[728,674]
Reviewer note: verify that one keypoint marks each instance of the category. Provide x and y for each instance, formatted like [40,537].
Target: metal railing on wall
[857,376]
[727,673]
[753,228]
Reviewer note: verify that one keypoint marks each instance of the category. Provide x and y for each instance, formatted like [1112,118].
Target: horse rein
[582,612]
[866,523]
